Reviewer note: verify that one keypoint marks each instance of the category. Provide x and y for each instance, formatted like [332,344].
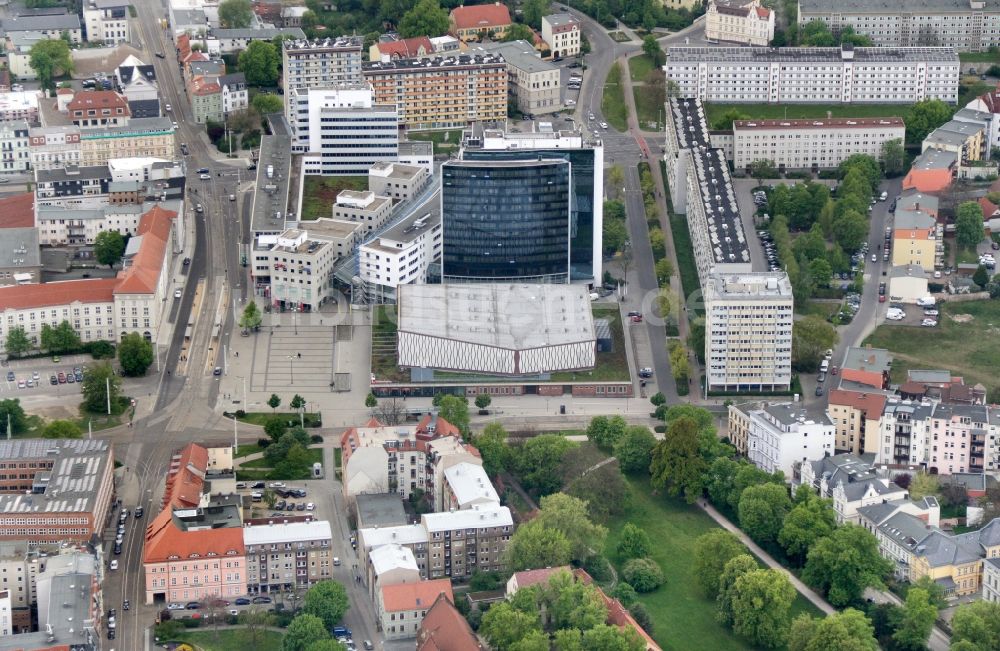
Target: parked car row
[770,250]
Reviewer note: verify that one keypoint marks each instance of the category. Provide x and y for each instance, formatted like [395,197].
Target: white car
[874,257]
[167,107]
[895,314]
[930,312]
[204,177]
[177,293]
[175,606]
[570,102]
[276,484]
[592,116]
[310,507]
[604,125]
[114,565]
[928,323]
[926,301]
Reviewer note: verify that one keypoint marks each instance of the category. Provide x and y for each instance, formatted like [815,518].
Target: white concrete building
[466,485]
[299,268]
[396,180]
[364,207]
[340,130]
[780,436]
[563,35]
[224,40]
[391,564]
[106,21]
[54,147]
[739,21]
[20,105]
[815,75]
[403,253]
[15,154]
[235,96]
[966,25]
[989,103]
[811,144]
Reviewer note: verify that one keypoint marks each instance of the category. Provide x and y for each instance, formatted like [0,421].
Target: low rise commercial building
[474,22]
[746,22]
[287,557]
[401,608]
[810,75]
[20,258]
[780,437]
[365,207]
[397,180]
[299,268]
[563,34]
[908,284]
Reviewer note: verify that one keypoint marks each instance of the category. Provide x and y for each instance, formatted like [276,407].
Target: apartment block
[98,109]
[444,92]
[461,543]
[20,105]
[966,25]
[55,491]
[341,130]
[965,136]
[915,239]
[780,437]
[851,481]
[400,608]
[19,241]
[54,147]
[811,144]
[563,34]
[739,21]
[288,556]
[15,154]
[748,331]
[321,63]
[106,21]
[855,414]
[20,564]
[533,83]
[466,485]
[815,75]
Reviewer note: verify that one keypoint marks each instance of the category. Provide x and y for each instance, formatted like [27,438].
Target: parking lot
[34,376]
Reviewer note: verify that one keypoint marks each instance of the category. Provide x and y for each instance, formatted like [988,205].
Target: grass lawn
[971,88]
[620,37]
[964,342]
[444,141]
[822,309]
[969,256]
[232,640]
[640,66]
[613,101]
[683,618]
[315,456]
[98,422]
[384,360]
[246,449]
[979,57]
[320,192]
[685,255]
[794,111]
[311,419]
[650,112]
[611,365]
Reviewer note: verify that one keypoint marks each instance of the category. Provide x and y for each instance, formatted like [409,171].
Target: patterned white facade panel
[558,358]
[424,351]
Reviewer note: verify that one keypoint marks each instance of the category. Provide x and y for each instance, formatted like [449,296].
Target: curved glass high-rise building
[506,220]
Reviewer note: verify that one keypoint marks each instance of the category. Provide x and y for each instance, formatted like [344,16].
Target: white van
[895,314]
[256,496]
[926,301]
[824,366]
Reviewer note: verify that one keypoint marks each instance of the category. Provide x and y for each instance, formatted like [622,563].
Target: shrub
[625,593]
[240,413]
[263,443]
[643,574]
[100,349]
[599,568]
[316,438]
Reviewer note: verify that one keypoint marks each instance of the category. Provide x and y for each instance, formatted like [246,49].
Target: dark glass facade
[506,221]
[581,204]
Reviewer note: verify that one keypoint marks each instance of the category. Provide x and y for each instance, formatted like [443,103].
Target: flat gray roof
[338,43]
[519,54]
[270,202]
[511,316]
[383,510]
[912,219]
[869,359]
[892,7]
[458,61]
[262,33]
[72,173]
[730,55]
[40,23]
[421,219]
[558,20]
[19,247]
[935,159]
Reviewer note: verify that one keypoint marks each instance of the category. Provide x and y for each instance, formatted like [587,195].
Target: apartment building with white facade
[341,130]
[54,147]
[563,34]
[739,21]
[106,21]
[966,25]
[15,154]
[320,63]
[811,144]
[942,438]
[403,253]
[814,75]
[748,332]
[781,436]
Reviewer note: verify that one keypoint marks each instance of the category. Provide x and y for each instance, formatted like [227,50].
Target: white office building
[815,75]
[340,129]
[401,254]
[811,144]
[781,436]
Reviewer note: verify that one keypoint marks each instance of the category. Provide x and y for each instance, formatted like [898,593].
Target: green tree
[643,574]
[135,354]
[427,18]
[535,640]
[850,230]
[820,271]
[326,600]
[605,432]
[725,121]
[17,342]
[455,410]
[634,449]
[969,225]
[260,64]
[371,401]
[893,156]
[235,14]
[844,563]
[297,402]
[303,631]
[109,247]
[981,277]
[12,413]
[274,401]
[978,624]
[483,400]
[848,630]
[519,32]
[712,550]
[615,235]
[493,449]
[612,638]
[676,464]
[663,269]
[808,521]
[326,645]
[275,427]
[923,117]
[651,48]
[265,103]
[251,317]
[296,463]
[761,169]
[816,33]
[503,625]
[762,511]
[568,515]
[532,12]
[810,338]
[761,601]
[48,57]
[916,621]
[923,484]
[866,165]
[572,604]
[534,546]
[537,462]
[99,377]
[634,542]
[61,429]
[60,339]
[733,570]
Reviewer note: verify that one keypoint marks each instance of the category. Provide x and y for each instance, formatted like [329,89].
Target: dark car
[819,391]
[301,506]
[290,506]
[118,548]
[301,492]
[138,512]
[217,371]
[202,170]
[53,379]
[10,376]
[261,600]
[257,484]
[242,601]
[279,505]
[192,605]
[161,55]
[125,605]
[187,261]
[111,633]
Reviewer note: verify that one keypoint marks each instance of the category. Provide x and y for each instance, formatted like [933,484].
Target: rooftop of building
[480,516]
[519,54]
[934,159]
[445,629]
[422,219]
[185,480]
[509,316]
[870,402]
[978,414]
[689,123]
[865,358]
[910,219]
[72,173]
[845,468]
[330,43]
[933,376]
[332,229]
[96,100]
[50,22]
[183,17]
[791,414]
[18,211]
[416,148]
[892,7]
[19,100]
[271,198]
[222,512]
[405,534]
[292,532]
[390,557]
[380,510]
[741,286]
[405,47]
[912,199]
[19,247]
[427,64]
[65,292]
[560,20]
[165,541]
[764,55]
[954,133]
[480,16]
[904,529]
[820,124]
[71,486]
[420,595]
[725,227]
[528,578]
[259,33]
[142,273]
[469,482]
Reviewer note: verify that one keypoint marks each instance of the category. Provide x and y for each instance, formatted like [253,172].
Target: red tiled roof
[186,477]
[164,541]
[480,16]
[97,99]
[989,208]
[870,403]
[871,378]
[991,100]
[763,12]
[143,275]
[205,86]
[528,578]
[66,292]
[18,211]
[407,48]
[444,629]
[414,596]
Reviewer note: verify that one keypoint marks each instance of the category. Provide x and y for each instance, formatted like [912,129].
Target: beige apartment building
[444,92]
[811,144]
[396,180]
[739,21]
[321,63]
[461,543]
[562,33]
[533,83]
[287,556]
[856,417]
[299,267]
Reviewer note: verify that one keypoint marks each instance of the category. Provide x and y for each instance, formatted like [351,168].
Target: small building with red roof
[445,629]
[417,47]
[21,262]
[98,109]
[472,22]
[401,608]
